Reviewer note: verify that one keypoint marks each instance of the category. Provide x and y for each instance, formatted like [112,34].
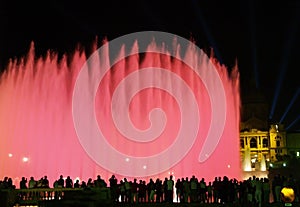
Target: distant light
[145,167]
[25,159]
[284,164]
[228,166]
[297,154]
[10,155]
[271,165]
[127,159]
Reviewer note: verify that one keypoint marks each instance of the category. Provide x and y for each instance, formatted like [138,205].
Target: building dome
[255,108]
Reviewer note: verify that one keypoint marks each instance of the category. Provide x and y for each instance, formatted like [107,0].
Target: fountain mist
[155,115]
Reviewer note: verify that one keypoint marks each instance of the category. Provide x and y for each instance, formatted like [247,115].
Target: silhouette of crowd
[252,191]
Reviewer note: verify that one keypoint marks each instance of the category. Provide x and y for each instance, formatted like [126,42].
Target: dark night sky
[262,36]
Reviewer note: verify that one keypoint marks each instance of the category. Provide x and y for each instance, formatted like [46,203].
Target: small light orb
[287,195]
[25,159]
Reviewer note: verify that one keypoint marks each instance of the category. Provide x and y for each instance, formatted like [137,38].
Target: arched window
[253,142]
[265,142]
[242,144]
[277,143]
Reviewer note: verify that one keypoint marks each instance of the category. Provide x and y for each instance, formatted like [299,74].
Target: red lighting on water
[142,117]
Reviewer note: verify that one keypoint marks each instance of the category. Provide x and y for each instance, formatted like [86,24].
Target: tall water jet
[133,108]
[247,161]
[263,166]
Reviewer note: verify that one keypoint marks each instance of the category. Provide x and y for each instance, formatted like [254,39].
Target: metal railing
[35,196]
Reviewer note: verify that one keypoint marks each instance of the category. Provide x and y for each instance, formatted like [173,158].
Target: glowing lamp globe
[287,195]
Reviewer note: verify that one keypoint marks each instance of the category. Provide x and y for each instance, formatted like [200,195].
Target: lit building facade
[265,147]
[263,144]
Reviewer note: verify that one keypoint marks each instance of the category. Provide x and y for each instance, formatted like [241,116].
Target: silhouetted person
[10,183]
[122,190]
[45,182]
[32,183]
[209,193]
[134,191]
[40,182]
[90,183]
[169,193]
[179,189]
[61,182]
[158,190]
[99,182]
[77,184]
[127,190]
[202,190]
[194,189]
[142,195]
[165,189]
[69,182]
[83,185]
[217,189]
[23,183]
[186,190]
[113,184]
[151,190]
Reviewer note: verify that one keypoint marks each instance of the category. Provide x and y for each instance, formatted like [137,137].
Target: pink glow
[160,114]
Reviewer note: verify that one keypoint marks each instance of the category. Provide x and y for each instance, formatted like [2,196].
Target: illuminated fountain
[135,115]
[263,166]
[247,161]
